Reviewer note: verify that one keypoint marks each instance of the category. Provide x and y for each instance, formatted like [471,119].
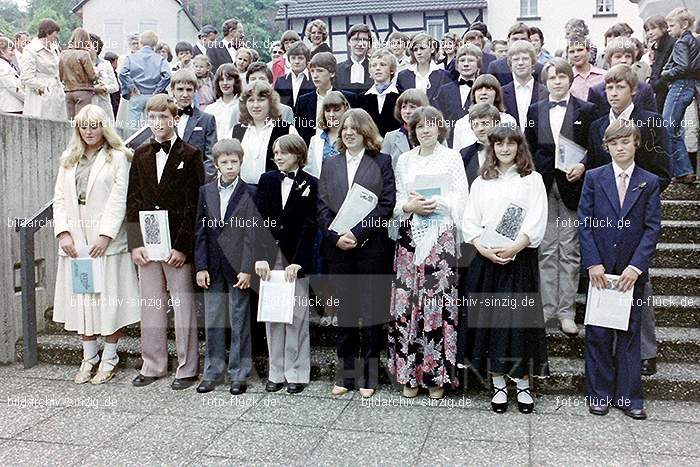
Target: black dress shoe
[142,380]
[649,366]
[598,409]
[637,414]
[206,386]
[502,407]
[179,384]
[237,388]
[295,388]
[273,387]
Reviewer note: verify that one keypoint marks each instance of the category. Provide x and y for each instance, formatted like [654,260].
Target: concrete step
[677,255]
[673,281]
[677,381]
[680,345]
[680,210]
[680,232]
[682,191]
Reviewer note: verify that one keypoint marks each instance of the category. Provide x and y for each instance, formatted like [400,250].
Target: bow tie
[187,110]
[230,45]
[284,175]
[223,185]
[553,104]
[164,146]
[468,82]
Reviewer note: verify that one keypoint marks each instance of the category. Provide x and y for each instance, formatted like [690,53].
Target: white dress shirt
[488,198]
[464,90]
[556,120]
[464,135]
[225,194]
[287,184]
[423,81]
[625,114]
[255,144]
[381,97]
[297,81]
[523,96]
[162,158]
[231,50]
[357,71]
[226,116]
[182,124]
[353,162]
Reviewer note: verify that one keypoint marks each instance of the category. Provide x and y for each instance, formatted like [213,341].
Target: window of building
[435,27]
[114,35]
[605,7]
[148,25]
[528,8]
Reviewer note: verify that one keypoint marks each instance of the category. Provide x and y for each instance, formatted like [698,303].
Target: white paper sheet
[608,308]
[358,203]
[276,301]
[570,154]
[155,230]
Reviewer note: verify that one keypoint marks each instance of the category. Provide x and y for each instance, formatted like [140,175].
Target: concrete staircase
[676,282]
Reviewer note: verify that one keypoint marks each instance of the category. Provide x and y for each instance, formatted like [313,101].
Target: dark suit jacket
[200,132]
[218,55]
[305,113]
[632,237]
[644,98]
[292,229]
[449,101]
[177,193]
[385,120]
[470,157]
[225,247]
[281,128]
[438,78]
[654,153]
[342,78]
[283,86]
[500,69]
[539,92]
[577,123]
[374,173]
[486,60]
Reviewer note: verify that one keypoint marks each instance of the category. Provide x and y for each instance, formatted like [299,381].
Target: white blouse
[255,152]
[464,135]
[488,198]
[226,116]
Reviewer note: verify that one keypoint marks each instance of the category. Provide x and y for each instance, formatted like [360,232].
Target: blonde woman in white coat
[11,93]
[89,207]
[43,91]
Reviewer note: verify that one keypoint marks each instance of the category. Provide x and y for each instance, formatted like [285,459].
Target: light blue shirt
[146,71]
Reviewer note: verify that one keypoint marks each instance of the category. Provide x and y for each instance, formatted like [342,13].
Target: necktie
[164,146]
[187,110]
[622,187]
[553,104]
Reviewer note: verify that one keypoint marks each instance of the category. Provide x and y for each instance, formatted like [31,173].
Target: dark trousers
[613,362]
[361,290]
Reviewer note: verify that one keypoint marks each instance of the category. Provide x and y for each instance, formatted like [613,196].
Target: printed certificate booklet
[155,231]
[608,308]
[276,302]
[570,154]
[87,275]
[506,230]
[358,203]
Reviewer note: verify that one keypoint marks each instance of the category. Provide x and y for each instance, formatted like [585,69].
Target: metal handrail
[27,228]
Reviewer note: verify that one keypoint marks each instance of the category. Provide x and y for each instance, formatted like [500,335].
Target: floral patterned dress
[424,299]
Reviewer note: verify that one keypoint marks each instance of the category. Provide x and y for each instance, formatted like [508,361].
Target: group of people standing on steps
[260,193]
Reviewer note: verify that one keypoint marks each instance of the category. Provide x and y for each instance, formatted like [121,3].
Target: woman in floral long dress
[423,332]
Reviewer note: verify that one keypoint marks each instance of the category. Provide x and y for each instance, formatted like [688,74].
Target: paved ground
[46,419]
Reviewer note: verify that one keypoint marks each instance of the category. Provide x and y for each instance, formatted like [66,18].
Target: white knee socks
[523,397]
[499,397]
[109,356]
[90,352]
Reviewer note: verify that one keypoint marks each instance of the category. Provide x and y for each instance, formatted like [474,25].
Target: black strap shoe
[295,388]
[502,407]
[206,386]
[273,387]
[179,384]
[237,388]
[142,380]
[525,407]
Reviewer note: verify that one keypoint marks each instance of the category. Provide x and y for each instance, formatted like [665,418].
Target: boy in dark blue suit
[518,95]
[286,199]
[620,221]
[297,82]
[224,260]
[453,98]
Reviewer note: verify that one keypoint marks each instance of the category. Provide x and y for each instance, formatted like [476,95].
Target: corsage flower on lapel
[641,186]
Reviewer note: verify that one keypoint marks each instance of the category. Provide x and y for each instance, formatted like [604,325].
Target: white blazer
[105,203]
[11,90]
[44,96]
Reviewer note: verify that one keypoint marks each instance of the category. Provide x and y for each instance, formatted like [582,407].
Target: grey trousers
[648,324]
[560,259]
[289,344]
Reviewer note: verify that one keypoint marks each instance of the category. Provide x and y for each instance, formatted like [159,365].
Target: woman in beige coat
[89,207]
[44,96]
[11,93]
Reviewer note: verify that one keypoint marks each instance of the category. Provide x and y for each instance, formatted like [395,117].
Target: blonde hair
[682,14]
[385,53]
[334,99]
[365,126]
[259,89]
[148,38]
[522,46]
[92,114]
[421,38]
[622,128]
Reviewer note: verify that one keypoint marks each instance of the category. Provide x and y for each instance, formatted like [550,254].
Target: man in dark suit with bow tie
[555,127]
[165,175]
[453,98]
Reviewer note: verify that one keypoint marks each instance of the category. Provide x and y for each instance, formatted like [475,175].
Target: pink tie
[622,187]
